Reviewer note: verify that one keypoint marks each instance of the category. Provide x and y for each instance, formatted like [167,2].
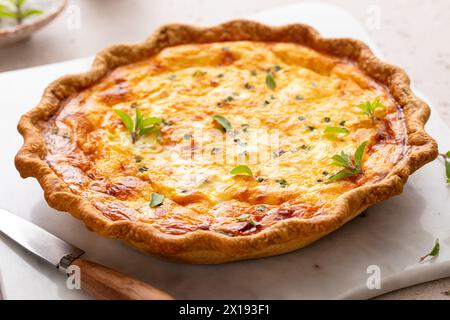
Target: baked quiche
[210,145]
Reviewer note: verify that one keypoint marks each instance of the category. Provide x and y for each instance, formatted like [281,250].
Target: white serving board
[393,235]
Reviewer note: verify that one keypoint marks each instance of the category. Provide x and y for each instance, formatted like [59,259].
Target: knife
[99,281]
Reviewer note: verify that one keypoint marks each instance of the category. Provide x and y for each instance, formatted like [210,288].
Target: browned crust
[206,246]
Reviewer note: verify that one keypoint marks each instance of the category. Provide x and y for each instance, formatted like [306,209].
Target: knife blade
[99,281]
[37,240]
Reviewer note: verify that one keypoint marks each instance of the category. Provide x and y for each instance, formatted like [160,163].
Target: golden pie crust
[204,223]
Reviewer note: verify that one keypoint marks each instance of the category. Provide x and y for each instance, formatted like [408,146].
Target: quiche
[239,141]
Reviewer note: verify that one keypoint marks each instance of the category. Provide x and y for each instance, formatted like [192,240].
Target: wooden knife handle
[106,284]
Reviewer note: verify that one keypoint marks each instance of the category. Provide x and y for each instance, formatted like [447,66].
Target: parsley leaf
[156,200]
[352,164]
[369,108]
[434,252]
[226,125]
[270,81]
[141,126]
[242,170]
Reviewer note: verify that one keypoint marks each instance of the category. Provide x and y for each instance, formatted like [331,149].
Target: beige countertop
[412,34]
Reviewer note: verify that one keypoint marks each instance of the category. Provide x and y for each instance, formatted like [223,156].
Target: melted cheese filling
[277,131]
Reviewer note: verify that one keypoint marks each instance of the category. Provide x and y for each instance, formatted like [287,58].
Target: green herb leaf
[145,131]
[138,159]
[336,130]
[242,170]
[226,125]
[270,81]
[141,125]
[247,218]
[31,12]
[248,86]
[433,253]
[346,173]
[282,182]
[447,170]
[359,154]
[6,13]
[16,11]
[143,169]
[126,119]
[342,160]
[369,108]
[243,218]
[150,121]
[138,119]
[446,158]
[352,165]
[254,223]
[228,99]
[156,200]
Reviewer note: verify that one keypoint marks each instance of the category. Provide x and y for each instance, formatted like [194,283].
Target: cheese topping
[278,99]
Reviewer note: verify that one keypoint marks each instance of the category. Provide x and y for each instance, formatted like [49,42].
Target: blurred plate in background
[11,31]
